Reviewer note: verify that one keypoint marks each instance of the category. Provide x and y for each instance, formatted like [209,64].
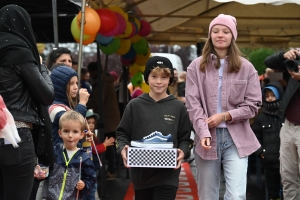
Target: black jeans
[160,192]
[110,154]
[16,167]
[273,182]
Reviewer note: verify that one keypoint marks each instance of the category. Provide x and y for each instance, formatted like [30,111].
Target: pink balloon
[122,23]
[145,28]
[127,62]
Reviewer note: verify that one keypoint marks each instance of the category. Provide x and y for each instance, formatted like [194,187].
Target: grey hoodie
[141,117]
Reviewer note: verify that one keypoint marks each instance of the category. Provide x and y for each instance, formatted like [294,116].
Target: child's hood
[60,77]
[278,86]
[146,97]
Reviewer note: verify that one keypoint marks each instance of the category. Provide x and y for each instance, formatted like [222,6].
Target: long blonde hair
[234,54]
[72,101]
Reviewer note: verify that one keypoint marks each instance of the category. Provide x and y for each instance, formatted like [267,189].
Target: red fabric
[137,92]
[100,147]
[3,119]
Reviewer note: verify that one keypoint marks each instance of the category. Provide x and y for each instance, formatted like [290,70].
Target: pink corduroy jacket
[241,97]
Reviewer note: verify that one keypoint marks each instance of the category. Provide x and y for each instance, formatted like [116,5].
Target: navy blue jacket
[60,77]
[53,183]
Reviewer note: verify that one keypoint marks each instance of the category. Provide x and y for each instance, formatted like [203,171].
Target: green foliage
[257,58]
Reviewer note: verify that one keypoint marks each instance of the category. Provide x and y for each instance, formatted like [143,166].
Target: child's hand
[109,142]
[83,96]
[39,173]
[179,158]
[89,136]
[80,185]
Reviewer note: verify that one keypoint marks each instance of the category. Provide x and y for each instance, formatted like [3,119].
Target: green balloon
[112,47]
[137,79]
[141,47]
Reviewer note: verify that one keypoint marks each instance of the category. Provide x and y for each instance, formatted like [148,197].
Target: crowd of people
[54,112]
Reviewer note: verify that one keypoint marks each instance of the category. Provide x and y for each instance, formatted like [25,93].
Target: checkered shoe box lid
[152,157]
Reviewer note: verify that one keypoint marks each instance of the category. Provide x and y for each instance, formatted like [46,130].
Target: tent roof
[181,22]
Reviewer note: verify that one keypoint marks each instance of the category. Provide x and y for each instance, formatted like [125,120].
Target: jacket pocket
[237,91]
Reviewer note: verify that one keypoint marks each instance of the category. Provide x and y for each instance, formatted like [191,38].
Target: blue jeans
[235,171]
[16,168]
[91,195]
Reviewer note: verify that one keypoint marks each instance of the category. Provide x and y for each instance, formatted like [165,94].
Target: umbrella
[251,2]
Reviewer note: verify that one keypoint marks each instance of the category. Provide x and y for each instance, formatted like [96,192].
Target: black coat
[267,128]
[276,61]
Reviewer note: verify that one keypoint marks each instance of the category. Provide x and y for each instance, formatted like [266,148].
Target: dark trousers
[16,167]
[161,192]
[110,154]
[273,181]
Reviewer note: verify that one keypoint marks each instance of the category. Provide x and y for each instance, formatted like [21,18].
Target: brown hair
[72,115]
[72,101]
[162,70]
[234,54]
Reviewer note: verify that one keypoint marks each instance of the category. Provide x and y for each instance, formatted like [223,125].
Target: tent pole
[55,28]
[81,40]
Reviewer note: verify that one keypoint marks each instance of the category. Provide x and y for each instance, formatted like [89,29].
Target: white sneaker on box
[154,140]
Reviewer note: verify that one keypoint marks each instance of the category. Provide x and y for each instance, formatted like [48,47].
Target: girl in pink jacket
[222,94]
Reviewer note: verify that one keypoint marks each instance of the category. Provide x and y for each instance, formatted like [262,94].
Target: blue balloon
[130,54]
[104,40]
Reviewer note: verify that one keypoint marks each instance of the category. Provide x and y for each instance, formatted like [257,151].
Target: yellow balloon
[134,69]
[135,38]
[137,22]
[145,88]
[119,10]
[124,47]
[128,30]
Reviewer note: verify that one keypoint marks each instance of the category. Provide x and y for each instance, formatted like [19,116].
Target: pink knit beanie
[225,20]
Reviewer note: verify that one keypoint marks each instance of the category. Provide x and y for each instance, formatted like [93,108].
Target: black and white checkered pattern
[152,157]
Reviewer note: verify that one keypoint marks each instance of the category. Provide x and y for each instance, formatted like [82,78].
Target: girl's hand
[124,155]
[83,96]
[109,142]
[214,120]
[80,185]
[179,158]
[205,143]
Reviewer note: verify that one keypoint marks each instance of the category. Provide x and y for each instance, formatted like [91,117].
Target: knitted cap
[274,90]
[225,20]
[158,61]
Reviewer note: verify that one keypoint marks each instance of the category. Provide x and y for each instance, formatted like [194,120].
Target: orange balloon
[92,21]
[90,40]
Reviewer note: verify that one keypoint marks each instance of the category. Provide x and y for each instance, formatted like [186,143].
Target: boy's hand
[89,136]
[80,185]
[39,173]
[124,155]
[109,142]
[179,158]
